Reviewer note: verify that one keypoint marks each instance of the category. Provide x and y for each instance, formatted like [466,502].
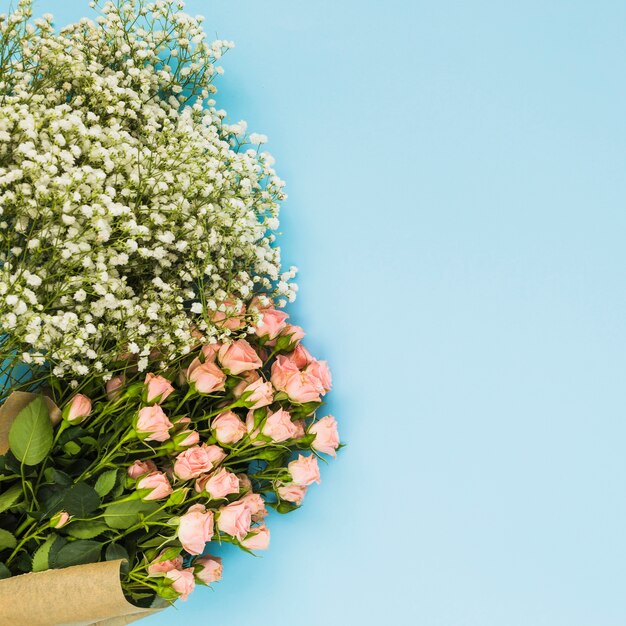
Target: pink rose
[141,468]
[183,581]
[157,388]
[207,378]
[295,333]
[326,435]
[78,409]
[253,432]
[260,540]
[219,485]
[248,377]
[261,394]
[271,324]
[300,386]
[186,438]
[209,354]
[153,424]
[60,519]
[292,493]
[301,357]
[245,484]
[210,569]
[157,481]
[256,504]
[195,529]
[229,315]
[235,519]
[304,470]
[194,461]
[114,387]
[159,566]
[279,427]
[299,426]
[216,454]
[239,357]
[228,428]
[282,370]
[321,373]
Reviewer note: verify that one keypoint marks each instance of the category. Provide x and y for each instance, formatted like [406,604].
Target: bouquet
[156,398]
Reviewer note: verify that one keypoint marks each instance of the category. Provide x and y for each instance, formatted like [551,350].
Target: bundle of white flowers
[132,217]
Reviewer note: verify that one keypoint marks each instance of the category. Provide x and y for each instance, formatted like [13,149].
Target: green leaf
[58,543]
[78,553]
[7,540]
[72,448]
[86,530]
[81,500]
[115,552]
[10,497]
[40,558]
[122,515]
[4,571]
[106,482]
[30,437]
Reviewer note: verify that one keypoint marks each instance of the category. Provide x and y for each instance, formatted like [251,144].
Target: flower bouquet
[155,398]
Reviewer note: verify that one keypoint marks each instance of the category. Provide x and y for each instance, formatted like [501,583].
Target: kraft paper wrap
[83,595]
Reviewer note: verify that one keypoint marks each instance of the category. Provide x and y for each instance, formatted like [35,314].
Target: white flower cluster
[132,217]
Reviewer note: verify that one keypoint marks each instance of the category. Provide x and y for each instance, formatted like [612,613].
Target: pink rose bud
[141,468]
[259,539]
[195,529]
[300,386]
[320,372]
[186,439]
[239,357]
[195,461]
[271,324]
[304,470]
[228,428]
[207,378]
[279,427]
[248,377]
[260,394]
[301,357]
[299,425]
[235,519]
[157,388]
[78,409]
[219,485]
[256,504]
[208,569]
[209,354]
[292,493]
[157,481]
[153,424]
[160,566]
[183,581]
[326,435]
[245,484]
[295,333]
[114,387]
[60,519]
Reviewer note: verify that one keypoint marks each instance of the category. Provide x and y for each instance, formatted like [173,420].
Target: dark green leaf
[86,530]
[50,498]
[7,540]
[78,553]
[106,482]
[115,552]
[30,437]
[57,477]
[57,544]
[4,571]
[40,558]
[81,500]
[123,515]
[10,497]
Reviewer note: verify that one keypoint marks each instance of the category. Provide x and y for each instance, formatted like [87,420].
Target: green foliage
[30,437]
[10,497]
[7,540]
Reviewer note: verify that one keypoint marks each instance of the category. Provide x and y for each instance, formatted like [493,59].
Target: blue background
[456,180]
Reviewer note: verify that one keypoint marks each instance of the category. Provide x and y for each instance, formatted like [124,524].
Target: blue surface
[457,191]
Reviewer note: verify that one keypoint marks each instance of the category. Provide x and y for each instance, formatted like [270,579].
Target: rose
[234,519]
[153,424]
[247,377]
[319,371]
[304,470]
[295,333]
[209,352]
[140,468]
[239,357]
[158,388]
[78,409]
[271,324]
[301,357]
[300,386]
[228,428]
[183,581]
[186,438]
[256,504]
[60,519]
[326,435]
[195,461]
[282,370]
[292,493]
[261,394]
[114,387]
[158,483]
[207,378]
[299,426]
[195,529]
[279,427]
[219,485]
[159,566]
[258,540]
[208,569]
[245,484]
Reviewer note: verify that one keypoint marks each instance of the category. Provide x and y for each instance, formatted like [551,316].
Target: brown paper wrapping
[83,595]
